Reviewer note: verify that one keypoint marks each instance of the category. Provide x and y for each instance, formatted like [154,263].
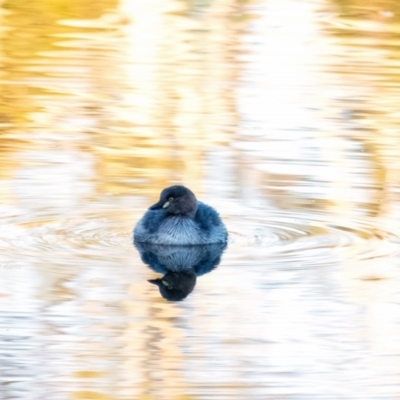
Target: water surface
[283,115]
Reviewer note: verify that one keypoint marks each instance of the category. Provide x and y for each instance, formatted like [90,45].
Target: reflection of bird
[179,219]
[175,286]
[180,266]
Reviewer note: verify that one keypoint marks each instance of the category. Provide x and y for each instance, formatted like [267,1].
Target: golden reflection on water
[282,114]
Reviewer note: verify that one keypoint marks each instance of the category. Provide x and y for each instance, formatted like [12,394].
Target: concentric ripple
[88,234]
[280,235]
[316,239]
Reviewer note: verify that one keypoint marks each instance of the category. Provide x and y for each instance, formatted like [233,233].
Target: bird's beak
[155,281]
[156,206]
[166,204]
[158,282]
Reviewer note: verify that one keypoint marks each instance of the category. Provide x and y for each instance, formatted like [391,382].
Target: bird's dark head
[177,200]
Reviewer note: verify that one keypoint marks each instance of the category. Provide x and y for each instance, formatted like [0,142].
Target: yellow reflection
[86,395]
[175,87]
[151,110]
[319,99]
[363,62]
[156,341]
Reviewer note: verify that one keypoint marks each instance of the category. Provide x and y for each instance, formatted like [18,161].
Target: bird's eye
[165,283]
[170,199]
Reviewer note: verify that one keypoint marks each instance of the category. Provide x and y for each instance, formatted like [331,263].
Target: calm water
[283,115]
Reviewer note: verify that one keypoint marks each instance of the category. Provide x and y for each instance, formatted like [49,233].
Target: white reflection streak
[142,34]
[279,94]
[280,63]
[287,98]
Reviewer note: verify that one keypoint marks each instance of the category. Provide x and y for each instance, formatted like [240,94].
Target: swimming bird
[180,219]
